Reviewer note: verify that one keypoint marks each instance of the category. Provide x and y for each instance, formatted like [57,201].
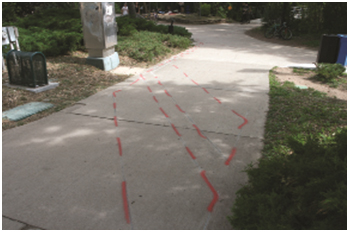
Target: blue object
[342,53]
[26,110]
[105,63]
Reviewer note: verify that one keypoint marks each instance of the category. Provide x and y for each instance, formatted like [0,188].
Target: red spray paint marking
[124,196]
[232,154]
[185,74]
[135,82]
[205,90]
[142,77]
[190,153]
[114,105]
[179,108]
[161,64]
[175,66]
[116,92]
[164,113]
[167,93]
[150,70]
[155,99]
[159,82]
[115,121]
[175,129]
[199,132]
[149,89]
[245,120]
[215,194]
[119,144]
[194,82]
[218,100]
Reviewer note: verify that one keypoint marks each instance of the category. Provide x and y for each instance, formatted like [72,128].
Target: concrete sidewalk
[165,152]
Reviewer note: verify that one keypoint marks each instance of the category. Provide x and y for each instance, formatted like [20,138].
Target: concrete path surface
[163,150]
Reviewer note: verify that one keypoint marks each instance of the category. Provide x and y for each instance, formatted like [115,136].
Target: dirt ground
[287,74]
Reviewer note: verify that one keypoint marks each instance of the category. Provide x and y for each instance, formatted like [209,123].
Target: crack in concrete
[26,226]
[163,125]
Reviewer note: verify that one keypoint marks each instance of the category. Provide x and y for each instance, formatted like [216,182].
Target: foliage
[145,45]
[311,17]
[205,9]
[13,10]
[52,31]
[117,8]
[329,71]
[300,183]
[331,74]
[304,190]
[221,12]
[126,24]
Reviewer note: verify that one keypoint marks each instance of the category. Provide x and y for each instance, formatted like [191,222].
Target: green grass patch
[301,71]
[299,113]
[145,45]
[300,181]
[128,26]
[331,74]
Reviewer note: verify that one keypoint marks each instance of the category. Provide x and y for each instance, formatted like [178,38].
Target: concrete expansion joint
[26,225]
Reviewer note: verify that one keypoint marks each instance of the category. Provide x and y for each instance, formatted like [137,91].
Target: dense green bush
[221,12]
[52,31]
[145,45]
[304,190]
[329,71]
[205,9]
[126,23]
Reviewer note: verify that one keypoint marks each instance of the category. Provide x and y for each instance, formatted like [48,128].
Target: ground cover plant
[331,74]
[300,182]
[51,31]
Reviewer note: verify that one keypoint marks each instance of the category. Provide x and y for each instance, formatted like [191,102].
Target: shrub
[52,31]
[221,12]
[145,45]
[304,190]
[145,25]
[329,71]
[205,9]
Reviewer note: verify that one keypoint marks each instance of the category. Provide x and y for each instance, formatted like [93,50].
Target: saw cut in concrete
[26,110]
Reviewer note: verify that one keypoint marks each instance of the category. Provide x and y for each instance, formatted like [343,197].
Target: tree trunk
[131,9]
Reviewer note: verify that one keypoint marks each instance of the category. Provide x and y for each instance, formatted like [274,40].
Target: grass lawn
[300,181]
[299,113]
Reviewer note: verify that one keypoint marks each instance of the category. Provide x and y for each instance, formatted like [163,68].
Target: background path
[162,150]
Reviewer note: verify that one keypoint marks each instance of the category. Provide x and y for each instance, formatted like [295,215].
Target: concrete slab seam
[26,225]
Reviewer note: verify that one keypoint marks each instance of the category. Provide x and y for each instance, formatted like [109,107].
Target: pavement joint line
[164,125]
[26,225]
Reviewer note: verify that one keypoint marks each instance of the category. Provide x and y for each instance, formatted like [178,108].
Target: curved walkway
[162,150]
